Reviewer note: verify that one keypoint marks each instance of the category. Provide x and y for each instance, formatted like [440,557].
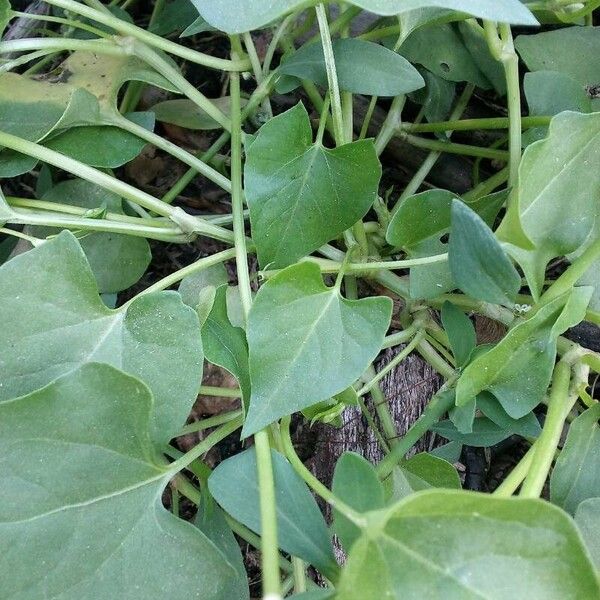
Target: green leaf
[478,263]
[455,544]
[81,487]
[117,261]
[192,285]
[565,50]
[302,195]
[246,15]
[211,521]
[176,15]
[437,97]
[518,369]
[111,148]
[587,518]
[314,595]
[225,345]
[551,171]
[527,426]
[441,50]
[187,114]
[461,333]
[362,68]
[484,433]
[424,471]
[300,525]
[550,93]
[60,323]
[297,326]
[355,482]
[576,475]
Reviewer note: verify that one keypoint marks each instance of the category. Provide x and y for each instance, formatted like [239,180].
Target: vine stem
[128,29]
[312,481]
[332,79]
[187,223]
[271,581]
[453,148]
[515,478]
[473,124]
[559,406]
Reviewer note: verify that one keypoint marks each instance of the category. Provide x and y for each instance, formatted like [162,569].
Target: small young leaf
[587,518]
[527,426]
[81,484]
[191,286]
[424,471]
[484,433]
[302,195]
[461,332]
[362,68]
[300,524]
[246,15]
[479,266]
[456,544]
[355,482]
[60,323]
[297,326]
[576,476]
[225,345]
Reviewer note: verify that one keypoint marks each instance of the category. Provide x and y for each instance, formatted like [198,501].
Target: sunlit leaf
[81,514]
[302,195]
[297,326]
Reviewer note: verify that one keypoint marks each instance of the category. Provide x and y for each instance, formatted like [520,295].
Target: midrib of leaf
[300,348]
[434,567]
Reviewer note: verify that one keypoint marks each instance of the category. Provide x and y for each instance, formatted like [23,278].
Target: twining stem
[332,79]
[68,22]
[187,223]
[515,478]
[474,124]
[559,405]
[454,148]
[195,267]
[211,421]
[440,404]
[172,149]
[128,29]
[312,481]
[271,581]
[205,445]
[573,274]
[393,363]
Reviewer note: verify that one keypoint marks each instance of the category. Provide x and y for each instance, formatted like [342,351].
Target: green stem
[440,404]
[205,445]
[390,125]
[186,222]
[211,422]
[453,148]
[199,265]
[22,236]
[61,45]
[332,79]
[221,392]
[559,406]
[393,363]
[173,149]
[312,481]
[24,59]
[474,124]
[299,575]
[515,478]
[128,29]
[573,274]
[61,21]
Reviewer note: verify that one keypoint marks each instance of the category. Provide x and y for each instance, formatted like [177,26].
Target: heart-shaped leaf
[238,16]
[456,544]
[80,487]
[54,322]
[296,326]
[302,195]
